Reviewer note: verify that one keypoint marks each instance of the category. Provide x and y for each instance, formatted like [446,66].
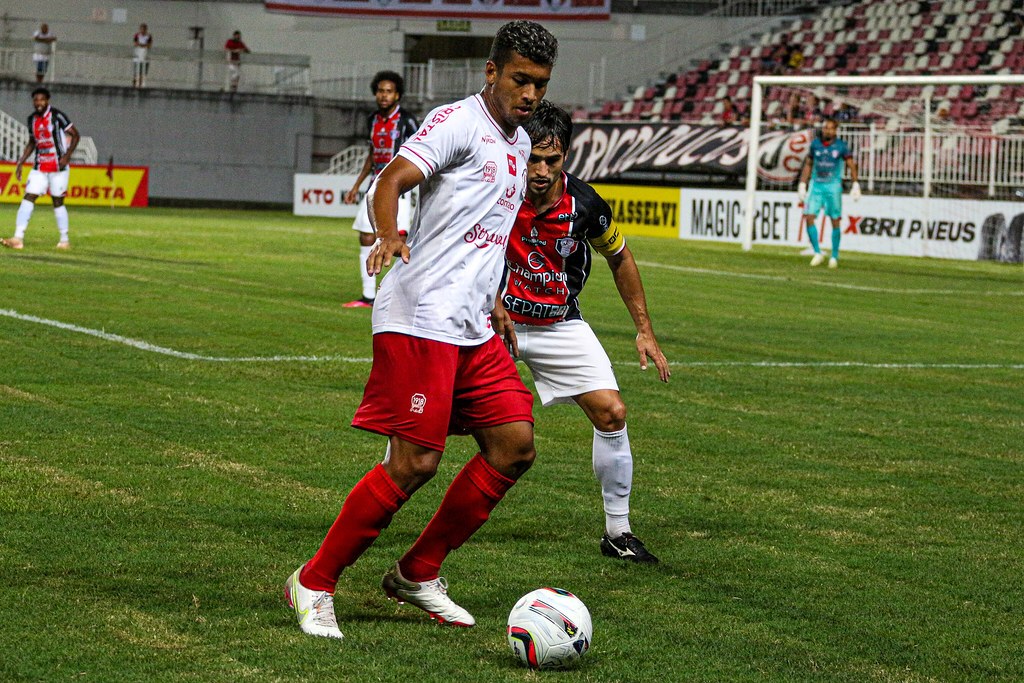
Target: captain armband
[610,243]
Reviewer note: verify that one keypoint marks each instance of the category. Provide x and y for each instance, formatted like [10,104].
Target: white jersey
[475,182]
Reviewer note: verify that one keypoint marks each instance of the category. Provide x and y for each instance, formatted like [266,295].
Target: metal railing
[189,69]
[348,161]
[976,158]
[436,80]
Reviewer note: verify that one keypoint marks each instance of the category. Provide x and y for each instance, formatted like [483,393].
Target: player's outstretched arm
[398,177]
[29,146]
[353,194]
[631,289]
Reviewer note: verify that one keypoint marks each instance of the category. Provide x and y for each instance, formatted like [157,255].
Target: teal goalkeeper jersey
[828,162]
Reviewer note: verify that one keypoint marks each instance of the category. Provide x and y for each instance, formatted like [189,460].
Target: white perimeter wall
[668,43]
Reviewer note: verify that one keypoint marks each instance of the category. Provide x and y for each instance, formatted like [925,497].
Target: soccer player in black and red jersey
[53,138]
[547,264]
[390,126]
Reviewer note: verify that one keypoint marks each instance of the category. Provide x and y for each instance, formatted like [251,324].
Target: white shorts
[566,360]
[406,209]
[140,55]
[57,183]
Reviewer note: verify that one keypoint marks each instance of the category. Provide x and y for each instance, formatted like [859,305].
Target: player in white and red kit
[438,366]
[548,263]
[390,126]
[53,138]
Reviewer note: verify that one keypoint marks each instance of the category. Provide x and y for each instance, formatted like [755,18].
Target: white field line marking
[826,283]
[153,348]
[146,346]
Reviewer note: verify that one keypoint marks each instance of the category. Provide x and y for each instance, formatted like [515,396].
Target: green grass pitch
[833,477]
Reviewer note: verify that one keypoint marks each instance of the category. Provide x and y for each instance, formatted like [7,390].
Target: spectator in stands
[846,113]
[141,42]
[815,111]
[796,59]
[233,49]
[729,115]
[795,111]
[43,48]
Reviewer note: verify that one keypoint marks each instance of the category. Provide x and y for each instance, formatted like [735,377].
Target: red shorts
[423,390]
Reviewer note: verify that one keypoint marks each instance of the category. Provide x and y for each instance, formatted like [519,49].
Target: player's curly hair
[388,76]
[41,91]
[549,124]
[527,38]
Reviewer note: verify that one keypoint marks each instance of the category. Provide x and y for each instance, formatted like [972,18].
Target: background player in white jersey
[389,127]
[438,367]
[53,138]
[548,262]
[824,167]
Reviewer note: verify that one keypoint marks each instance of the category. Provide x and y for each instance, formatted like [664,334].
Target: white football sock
[613,465]
[61,214]
[369,281]
[21,222]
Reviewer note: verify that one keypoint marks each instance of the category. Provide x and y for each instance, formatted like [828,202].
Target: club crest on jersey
[418,403]
[490,172]
[511,164]
[566,246]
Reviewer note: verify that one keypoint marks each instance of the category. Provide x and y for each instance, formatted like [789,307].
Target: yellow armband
[610,243]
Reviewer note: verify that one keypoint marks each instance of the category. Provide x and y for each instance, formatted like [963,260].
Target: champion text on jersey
[481,238]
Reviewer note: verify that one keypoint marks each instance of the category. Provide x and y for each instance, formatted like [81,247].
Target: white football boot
[818,260]
[429,596]
[313,609]
[833,263]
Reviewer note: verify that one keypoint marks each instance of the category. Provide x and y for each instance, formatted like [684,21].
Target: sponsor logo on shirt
[437,119]
[488,140]
[482,238]
[569,216]
[490,172]
[511,164]
[534,239]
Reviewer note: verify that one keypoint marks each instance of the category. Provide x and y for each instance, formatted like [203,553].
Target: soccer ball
[549,628]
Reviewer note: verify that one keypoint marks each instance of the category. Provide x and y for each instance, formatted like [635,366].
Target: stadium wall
[198,146]
[627,51]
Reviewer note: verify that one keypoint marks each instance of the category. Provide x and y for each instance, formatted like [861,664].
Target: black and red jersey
[47,130]
[548,259]
[387,134]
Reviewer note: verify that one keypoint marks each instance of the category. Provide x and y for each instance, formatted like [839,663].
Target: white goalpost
[926,125]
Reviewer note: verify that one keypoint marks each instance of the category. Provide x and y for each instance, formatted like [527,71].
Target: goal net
[940,161]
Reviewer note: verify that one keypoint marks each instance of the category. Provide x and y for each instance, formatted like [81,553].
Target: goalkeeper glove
[855,191]
[801,191]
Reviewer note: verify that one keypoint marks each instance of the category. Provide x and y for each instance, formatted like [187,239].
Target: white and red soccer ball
[549,628]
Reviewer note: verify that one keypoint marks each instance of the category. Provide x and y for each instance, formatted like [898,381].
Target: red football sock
[366,511]
[466,506]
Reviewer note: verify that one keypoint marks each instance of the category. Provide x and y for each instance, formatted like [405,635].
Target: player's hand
[855,191]
[648,347]
[503,326]
[383,250]
[351,195]
[62,163]
[801,191]
[17,172]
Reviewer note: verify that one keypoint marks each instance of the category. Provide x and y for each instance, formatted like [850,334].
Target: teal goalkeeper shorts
[828,197]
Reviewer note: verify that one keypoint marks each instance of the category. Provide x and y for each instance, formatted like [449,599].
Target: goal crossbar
[757,94]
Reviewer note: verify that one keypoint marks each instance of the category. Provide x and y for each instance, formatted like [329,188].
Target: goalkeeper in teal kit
[824,168]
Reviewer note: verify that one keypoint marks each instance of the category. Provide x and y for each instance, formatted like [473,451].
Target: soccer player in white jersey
[548,263]
[53,138]
[438,366]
